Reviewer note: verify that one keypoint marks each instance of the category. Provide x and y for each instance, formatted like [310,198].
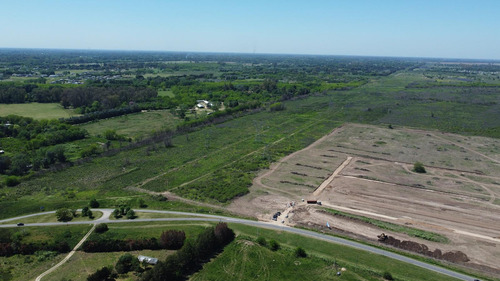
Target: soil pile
[453,256]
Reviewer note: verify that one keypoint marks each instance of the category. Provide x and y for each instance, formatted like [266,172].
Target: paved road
[215,218]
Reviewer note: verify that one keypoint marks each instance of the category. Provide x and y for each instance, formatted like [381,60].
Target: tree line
[169,240]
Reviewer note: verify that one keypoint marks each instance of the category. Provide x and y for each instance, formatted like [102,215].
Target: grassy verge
[137,230]
[147,215]
[52,218]
[414,232]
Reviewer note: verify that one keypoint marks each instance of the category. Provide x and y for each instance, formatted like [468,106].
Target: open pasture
[37,110]
[135,125]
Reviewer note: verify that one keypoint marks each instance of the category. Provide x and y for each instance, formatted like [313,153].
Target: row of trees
[102,114]
[66,214]
[170,240]
[79,96]
[101,98]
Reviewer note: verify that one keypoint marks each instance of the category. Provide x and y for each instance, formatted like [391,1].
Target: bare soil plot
[458,197]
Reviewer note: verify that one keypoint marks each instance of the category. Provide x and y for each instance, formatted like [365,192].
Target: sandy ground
[367,171]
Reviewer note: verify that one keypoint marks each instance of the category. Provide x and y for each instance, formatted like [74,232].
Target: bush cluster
[115,245]
[13,248]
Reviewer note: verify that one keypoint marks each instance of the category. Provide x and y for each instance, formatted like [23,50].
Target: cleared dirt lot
[458,197]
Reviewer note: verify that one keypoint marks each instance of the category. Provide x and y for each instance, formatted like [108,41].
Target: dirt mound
[453,256]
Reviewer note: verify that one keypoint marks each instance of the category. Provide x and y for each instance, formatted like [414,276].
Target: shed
[148,260]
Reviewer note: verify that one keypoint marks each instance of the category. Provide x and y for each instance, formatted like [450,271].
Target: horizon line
[245,53]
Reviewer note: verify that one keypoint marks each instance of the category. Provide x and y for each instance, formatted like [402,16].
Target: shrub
[172,239]
[277,106]
[262,241]
[159,197]
[131,214]
[64,214]
[85,211]
[388,276]
[93,203]
[111,135]
[273,245]
[419,168]
[102,227]
[300,252]
[91,150]
[45,255]
[223,233]
[103,274]
[12,181]
[127,263]
[117,214]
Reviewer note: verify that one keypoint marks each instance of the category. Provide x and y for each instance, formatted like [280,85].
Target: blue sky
[424,28]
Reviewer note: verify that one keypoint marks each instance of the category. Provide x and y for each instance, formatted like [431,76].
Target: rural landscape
[216,166]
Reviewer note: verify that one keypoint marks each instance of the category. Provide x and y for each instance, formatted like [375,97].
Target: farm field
[37,110]
[457,198]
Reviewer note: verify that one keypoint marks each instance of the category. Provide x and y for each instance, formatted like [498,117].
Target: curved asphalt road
[214,218]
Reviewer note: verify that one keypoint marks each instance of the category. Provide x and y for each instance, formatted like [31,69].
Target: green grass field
[37,110]
[135,125]
[166,93]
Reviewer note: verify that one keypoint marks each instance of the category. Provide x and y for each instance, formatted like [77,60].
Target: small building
[148,260]
[204,104]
